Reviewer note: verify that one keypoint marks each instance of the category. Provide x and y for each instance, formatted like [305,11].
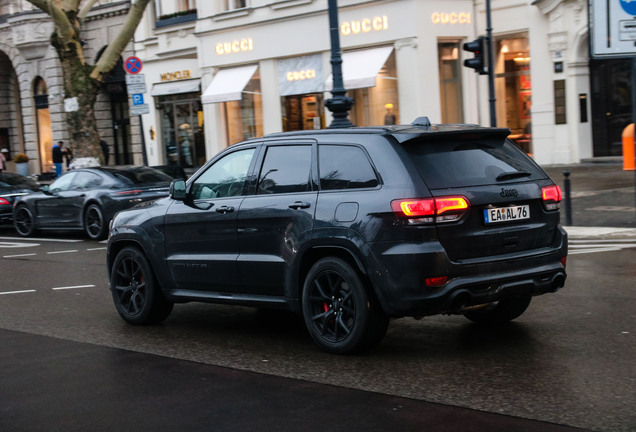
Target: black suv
[349,227]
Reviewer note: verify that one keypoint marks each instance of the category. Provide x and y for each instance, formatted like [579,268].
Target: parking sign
[138,99]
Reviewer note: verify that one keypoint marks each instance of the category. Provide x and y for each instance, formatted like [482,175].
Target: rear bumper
[402,290]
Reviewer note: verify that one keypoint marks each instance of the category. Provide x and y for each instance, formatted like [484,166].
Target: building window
[244,118]
[513,89]
[185,5]
[235,4]
[43,116]
[378,105]
[182,130]
[450,85]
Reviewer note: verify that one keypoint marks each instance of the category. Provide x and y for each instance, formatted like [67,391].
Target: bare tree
[83,80]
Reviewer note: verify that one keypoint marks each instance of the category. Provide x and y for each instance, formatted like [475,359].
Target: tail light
[128,192]
[4,202]
[430,210]
[551,196]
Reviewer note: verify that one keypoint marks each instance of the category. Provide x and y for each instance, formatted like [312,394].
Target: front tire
[342,316]
[500,312]
[94,223]
[23,221]
[136,295]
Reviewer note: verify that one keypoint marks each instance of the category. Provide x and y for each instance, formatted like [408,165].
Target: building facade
[32,102]
[218,72]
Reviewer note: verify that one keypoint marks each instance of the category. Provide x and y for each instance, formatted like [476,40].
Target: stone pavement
[603,198]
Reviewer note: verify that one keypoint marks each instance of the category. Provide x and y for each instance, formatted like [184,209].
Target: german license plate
[506,214]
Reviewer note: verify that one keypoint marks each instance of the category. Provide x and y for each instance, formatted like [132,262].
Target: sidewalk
[603,198]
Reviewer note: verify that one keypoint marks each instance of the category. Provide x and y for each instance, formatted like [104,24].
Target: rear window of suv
[448,163]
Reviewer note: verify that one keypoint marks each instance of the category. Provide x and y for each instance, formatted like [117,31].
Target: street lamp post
[339,104]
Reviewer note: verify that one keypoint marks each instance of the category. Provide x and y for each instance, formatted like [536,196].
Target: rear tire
[500,312]
[341,314]
[23,221]
[136,295]
[94,223]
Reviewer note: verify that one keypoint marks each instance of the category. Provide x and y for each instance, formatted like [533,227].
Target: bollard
[628,147]
[567,198]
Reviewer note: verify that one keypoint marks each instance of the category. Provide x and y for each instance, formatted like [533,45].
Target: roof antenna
[421,121]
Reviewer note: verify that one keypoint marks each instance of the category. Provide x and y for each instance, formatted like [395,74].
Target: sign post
[136,87]
[613,35]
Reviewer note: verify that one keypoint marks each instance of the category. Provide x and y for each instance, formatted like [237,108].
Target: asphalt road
[69,360]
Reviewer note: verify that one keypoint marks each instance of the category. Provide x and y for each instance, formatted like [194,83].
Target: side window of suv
[225,178]
[285,169]
[345,167]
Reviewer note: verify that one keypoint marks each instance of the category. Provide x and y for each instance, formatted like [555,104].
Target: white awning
[228,84]
[359,68]
[175,87]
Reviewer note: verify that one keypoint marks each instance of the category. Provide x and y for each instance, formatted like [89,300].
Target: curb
[576,232]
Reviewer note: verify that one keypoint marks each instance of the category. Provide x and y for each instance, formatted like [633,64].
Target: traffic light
[478,47]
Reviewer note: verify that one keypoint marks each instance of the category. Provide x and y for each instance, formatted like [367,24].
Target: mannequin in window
[389,118]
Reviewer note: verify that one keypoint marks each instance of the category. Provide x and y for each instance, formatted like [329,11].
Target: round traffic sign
[132,65]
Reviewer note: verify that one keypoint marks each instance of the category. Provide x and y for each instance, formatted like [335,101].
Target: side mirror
[178,190]
[46,189]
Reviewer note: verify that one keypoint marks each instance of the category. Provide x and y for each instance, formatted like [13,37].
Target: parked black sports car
[87,199]
[11,186]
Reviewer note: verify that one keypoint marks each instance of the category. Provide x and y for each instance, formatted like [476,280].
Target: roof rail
[421,121]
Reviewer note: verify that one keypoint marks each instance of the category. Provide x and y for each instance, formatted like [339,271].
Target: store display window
[303,112]
[450,85]
[182,130]
[377,105]
[514,88]
[244,118]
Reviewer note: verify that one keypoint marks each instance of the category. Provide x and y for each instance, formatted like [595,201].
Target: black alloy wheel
[23,221]
[94,223]
[500,312]
[135,292]
[341,315]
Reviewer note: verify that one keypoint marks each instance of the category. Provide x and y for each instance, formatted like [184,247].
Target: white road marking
[62,252]
[17,292]
[581,246]
[41,239]
[94,249]
[73,287]
[10,245]
[18,256]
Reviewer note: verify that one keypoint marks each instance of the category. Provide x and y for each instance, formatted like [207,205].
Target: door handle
[224,209]
[299,205]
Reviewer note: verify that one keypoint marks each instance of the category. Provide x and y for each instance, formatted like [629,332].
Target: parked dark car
[11,186]
[349,227]
[87,199]
[174,171]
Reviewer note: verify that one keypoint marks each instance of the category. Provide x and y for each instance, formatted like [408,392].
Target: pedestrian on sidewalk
[58,158]
[105,150]
[3,159]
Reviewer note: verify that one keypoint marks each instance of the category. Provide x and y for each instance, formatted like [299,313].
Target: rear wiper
[512,175]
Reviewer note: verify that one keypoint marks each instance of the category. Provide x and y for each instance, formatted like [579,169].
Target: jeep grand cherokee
[349,227]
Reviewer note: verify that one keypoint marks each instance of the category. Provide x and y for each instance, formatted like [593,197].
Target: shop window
[244,118]
[513,89]
[182,130]
[302,112]
[45,132]
[450,82]
[378,105]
